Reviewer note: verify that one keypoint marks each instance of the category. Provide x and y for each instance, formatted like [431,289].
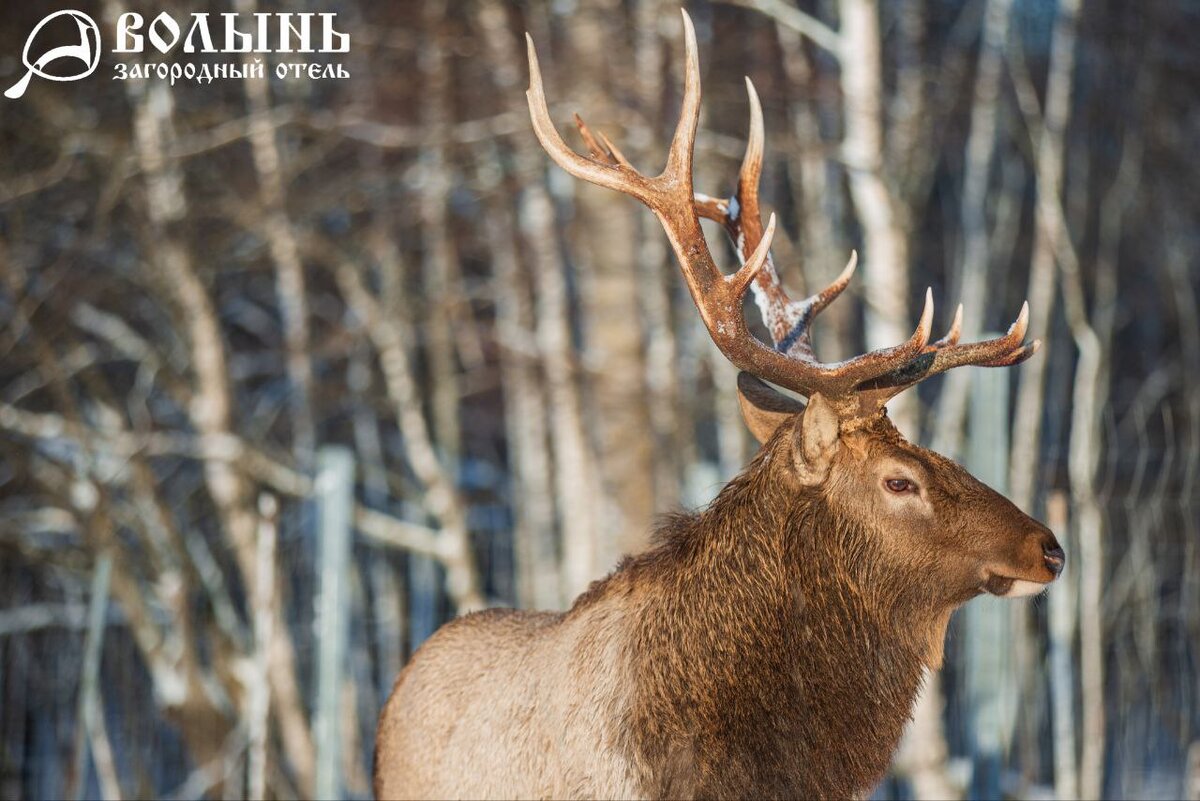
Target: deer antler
[790,322]
[857,387]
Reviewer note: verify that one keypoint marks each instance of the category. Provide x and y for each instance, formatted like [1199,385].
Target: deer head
[931,524]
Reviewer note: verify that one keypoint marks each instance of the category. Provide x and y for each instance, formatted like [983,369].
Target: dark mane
[757,658]
[680,532]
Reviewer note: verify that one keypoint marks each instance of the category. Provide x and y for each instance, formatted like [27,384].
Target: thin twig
[91,714]
[441,498]
[259,694]
[214,772]
[381,528]
[792,17]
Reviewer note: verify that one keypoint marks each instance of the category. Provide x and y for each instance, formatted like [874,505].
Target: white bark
[258,693]
[524,406]
[575,477]
[440,498]
[1063,621]
[656,275]
[1024,472]
[609,229]
[290,282]
[885,245]
[437,248]
[974,256]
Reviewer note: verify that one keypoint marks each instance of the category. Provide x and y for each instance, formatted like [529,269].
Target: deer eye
[899,485]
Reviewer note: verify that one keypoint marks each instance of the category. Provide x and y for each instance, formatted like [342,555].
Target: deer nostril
[1053,554]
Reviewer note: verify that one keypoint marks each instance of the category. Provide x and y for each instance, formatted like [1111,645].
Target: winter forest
[294,370]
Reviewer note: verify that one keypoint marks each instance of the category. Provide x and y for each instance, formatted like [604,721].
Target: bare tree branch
[441,498]
[804,24]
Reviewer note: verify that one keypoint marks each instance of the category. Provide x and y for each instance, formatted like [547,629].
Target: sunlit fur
[770,645]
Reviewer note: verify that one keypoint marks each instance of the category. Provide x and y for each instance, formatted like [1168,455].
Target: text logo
[87,51]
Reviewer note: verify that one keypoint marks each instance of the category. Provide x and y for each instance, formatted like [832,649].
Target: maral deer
[772,644]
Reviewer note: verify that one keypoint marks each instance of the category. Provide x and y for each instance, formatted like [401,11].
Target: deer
[771,644]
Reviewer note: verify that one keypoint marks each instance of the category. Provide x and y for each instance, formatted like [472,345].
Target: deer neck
[765,665]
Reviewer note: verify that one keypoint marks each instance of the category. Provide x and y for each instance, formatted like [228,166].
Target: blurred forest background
[292,371]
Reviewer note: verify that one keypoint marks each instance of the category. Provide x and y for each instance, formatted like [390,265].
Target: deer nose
[1053,555]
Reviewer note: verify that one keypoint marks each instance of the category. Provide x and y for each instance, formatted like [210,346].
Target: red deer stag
[770,645]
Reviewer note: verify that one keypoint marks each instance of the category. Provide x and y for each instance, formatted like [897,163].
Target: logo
[248,36]
[86,51]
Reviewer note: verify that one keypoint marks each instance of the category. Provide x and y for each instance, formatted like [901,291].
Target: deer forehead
[875,442]
[898,465]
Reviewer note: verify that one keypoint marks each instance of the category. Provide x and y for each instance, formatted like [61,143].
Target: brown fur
[769,646]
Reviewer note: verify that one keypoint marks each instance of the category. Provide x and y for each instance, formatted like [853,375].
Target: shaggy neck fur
[766,661]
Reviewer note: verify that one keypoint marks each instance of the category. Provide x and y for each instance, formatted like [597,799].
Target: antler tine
[951,337]
[1016,357]
[739,214]
[752,160]
[679,158]
[1001,347]
[613,151]
[869,366]
[602,149]
[740,217]
[668,195]
[744,224]
[798,336]
[595,149]
[945,354]
[613,174]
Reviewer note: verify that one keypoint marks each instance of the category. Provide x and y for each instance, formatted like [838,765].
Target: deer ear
[763,408]
[816,439]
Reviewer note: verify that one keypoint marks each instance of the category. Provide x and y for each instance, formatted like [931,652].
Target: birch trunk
[824,252]
[290,283]
[885,244]
[606,228]
[440,496]
[524,402]
[975,252]
[1025,470]
[437,248]
[656,275]
[575,483]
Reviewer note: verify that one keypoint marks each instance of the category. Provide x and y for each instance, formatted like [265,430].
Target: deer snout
[1027,574]
[1052,554]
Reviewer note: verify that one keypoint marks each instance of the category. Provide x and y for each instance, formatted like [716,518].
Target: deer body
[506,704]
[730,661]
[769,646]
[772,644]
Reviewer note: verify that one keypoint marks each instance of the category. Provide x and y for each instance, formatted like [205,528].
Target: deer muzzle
[1017,583]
